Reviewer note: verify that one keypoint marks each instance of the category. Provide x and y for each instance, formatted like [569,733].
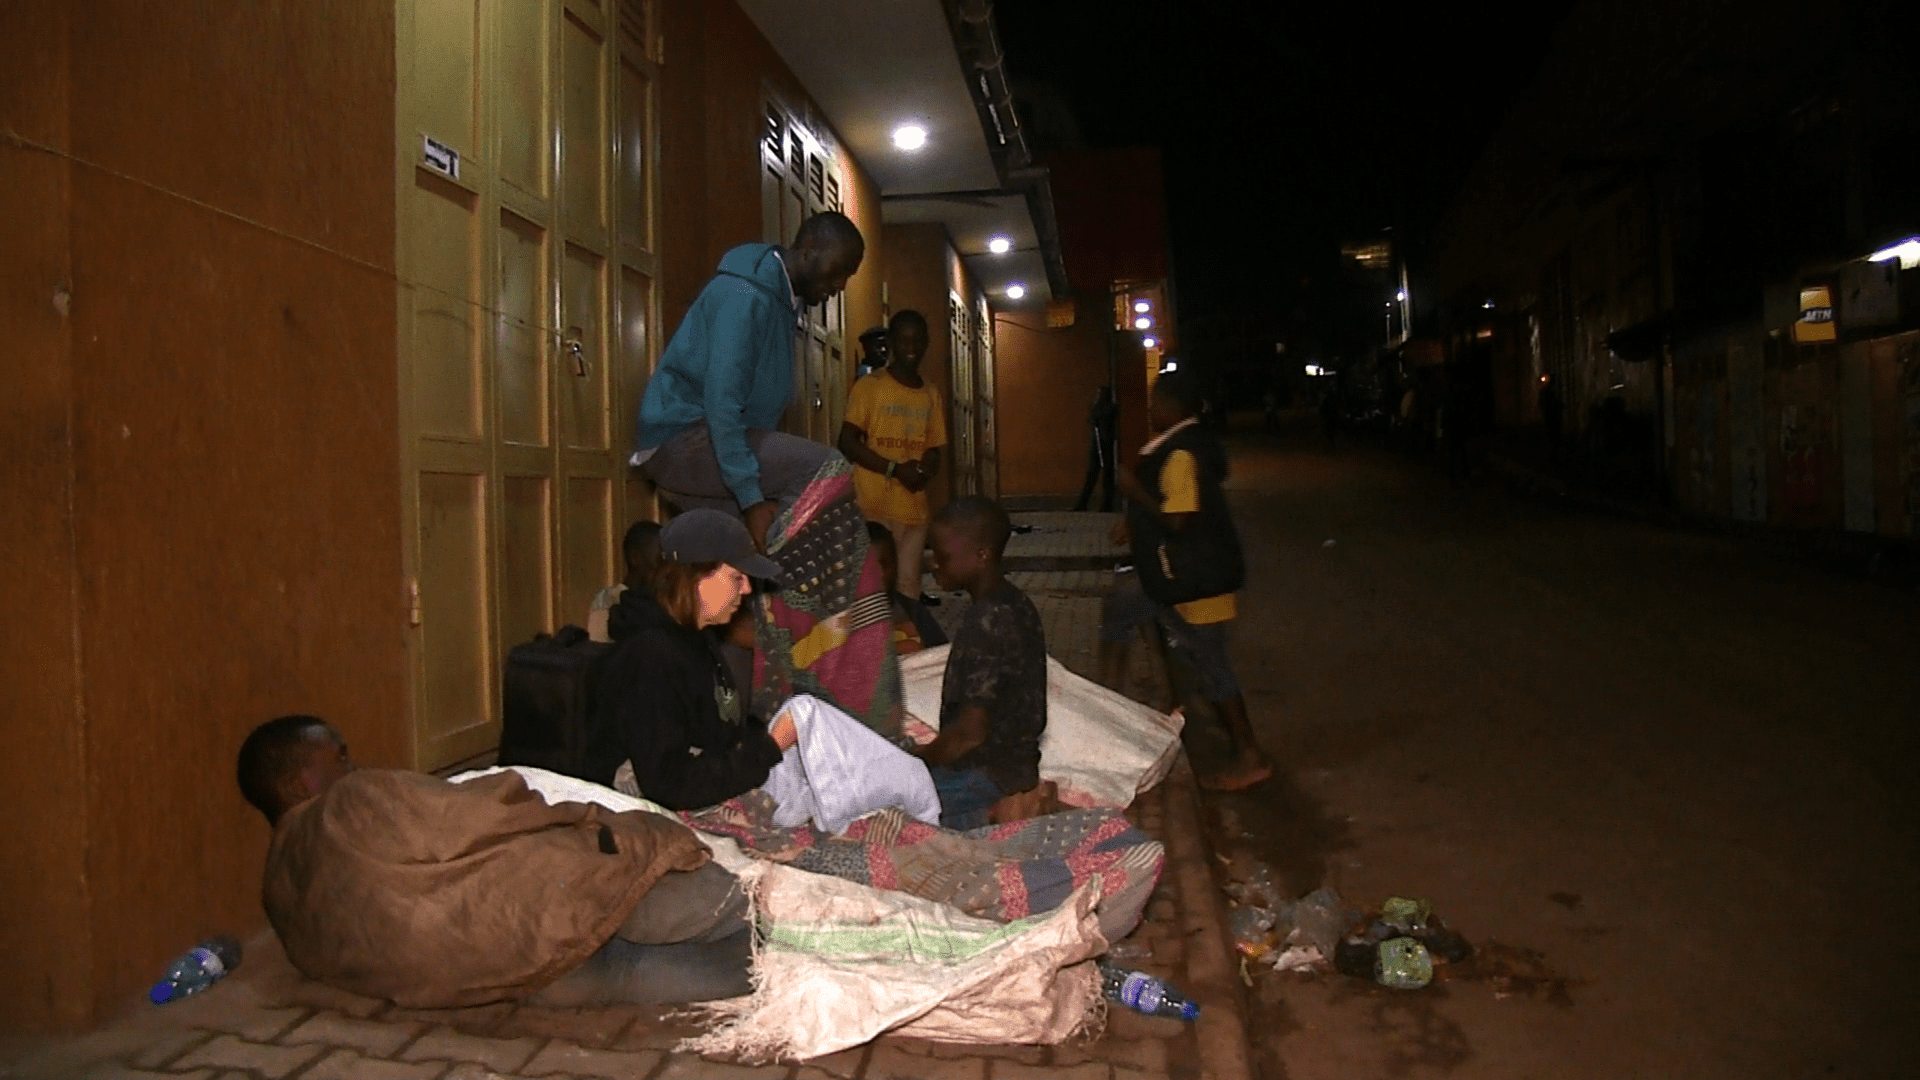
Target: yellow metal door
[527,269]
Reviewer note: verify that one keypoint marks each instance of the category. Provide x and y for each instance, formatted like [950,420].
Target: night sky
[1285,127]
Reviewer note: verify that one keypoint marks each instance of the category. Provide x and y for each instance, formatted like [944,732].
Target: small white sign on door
[440,157]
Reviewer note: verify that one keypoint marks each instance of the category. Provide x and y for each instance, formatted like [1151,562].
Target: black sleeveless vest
[1204,559]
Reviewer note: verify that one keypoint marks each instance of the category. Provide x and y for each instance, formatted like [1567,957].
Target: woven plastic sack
[1102,748]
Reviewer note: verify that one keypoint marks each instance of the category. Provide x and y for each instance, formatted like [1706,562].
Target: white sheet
[840,770]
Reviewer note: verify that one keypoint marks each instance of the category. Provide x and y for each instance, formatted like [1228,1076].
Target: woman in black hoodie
[665,700]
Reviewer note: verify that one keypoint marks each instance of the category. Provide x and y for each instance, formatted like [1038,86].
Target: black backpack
[547,700]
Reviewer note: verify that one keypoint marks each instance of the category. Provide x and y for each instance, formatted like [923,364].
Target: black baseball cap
[705,535]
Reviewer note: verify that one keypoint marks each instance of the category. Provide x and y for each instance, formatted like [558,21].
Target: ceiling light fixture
[1016,290]
[1143,323]
[999,245]
[909,136]
[1142,306]
[1150,342]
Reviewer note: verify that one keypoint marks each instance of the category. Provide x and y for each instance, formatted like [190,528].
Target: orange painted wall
[211,473]
[1048,378]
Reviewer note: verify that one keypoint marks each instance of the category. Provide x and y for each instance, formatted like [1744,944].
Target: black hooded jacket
[661,702]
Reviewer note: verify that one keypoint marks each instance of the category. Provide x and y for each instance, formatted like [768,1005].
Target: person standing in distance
[706,434]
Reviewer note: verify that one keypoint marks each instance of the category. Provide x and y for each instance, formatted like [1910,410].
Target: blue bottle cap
[161,993]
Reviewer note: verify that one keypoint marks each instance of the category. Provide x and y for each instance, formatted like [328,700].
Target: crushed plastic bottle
[1252,931]
[1256,885]
[1143,993]
[198,968]
[1322,918]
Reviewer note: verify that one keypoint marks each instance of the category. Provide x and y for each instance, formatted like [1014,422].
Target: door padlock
[576,350]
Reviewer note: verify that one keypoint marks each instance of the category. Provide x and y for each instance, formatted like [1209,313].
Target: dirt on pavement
[1662,780]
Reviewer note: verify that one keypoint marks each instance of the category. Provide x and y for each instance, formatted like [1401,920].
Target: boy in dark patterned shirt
[993,699]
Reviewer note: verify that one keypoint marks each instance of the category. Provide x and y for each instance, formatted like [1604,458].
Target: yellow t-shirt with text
[902,424]
[1180,494]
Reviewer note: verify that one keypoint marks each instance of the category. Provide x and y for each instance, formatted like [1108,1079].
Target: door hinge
[413,601]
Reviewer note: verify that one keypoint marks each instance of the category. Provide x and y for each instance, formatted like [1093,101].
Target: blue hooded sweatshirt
[730,363]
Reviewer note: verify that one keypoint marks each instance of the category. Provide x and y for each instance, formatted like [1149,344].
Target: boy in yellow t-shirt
[895,427]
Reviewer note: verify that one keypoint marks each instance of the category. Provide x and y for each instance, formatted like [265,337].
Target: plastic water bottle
[201,967]
[1141,992]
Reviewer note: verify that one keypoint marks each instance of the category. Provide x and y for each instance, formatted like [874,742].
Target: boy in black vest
[1187,555]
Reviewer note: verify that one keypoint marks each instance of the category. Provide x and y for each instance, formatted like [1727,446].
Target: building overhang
[873,67]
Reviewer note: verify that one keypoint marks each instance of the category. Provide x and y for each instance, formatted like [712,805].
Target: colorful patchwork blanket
[999,872]
[827,631]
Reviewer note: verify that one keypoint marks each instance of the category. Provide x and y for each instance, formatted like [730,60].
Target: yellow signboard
[1816,322]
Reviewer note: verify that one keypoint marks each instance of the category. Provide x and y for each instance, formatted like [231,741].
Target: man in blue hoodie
[707,424]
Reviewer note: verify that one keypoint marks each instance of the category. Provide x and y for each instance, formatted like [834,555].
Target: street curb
[1221,1031]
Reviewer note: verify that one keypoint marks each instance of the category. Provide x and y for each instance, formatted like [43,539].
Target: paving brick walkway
[267,1022]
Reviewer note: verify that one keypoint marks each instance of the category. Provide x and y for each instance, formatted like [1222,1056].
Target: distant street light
[1016,290]
[1401,296]
[1149,342]
[1907,251]
[909,136]
[999,245]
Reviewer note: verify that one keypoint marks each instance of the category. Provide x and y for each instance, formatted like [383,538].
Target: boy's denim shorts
[965,796]
[1203,648]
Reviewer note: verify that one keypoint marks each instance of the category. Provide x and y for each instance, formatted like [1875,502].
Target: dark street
[1672,772]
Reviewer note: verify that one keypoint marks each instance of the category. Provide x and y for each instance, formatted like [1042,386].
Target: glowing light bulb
[999,245]
[1907,251]
[1016,290]
[909,136]
[1143,323]
[1142,306]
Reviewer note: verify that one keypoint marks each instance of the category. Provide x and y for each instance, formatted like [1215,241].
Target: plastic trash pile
[1400,945]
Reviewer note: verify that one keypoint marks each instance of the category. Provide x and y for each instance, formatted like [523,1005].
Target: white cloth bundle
[839,770]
